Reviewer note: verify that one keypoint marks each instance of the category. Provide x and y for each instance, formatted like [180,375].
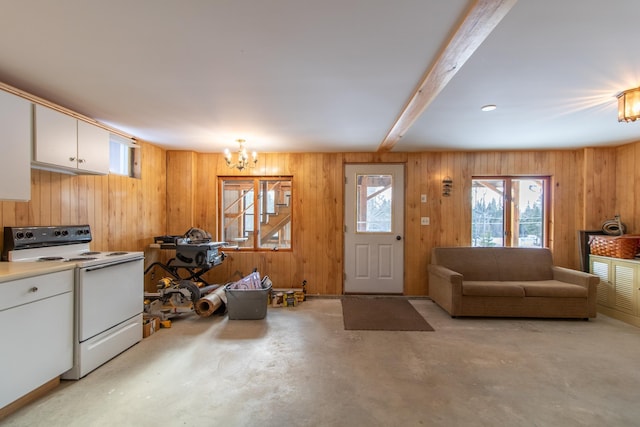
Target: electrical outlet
[424,220]
[423,198]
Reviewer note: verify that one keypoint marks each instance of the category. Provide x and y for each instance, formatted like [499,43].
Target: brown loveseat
[508,282]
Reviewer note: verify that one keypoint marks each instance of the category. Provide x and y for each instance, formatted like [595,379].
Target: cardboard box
[150,324]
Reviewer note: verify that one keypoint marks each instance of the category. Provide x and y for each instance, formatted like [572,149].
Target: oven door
[108,295]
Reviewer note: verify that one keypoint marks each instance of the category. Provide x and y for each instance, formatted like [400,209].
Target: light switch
[424,220]
[423,198]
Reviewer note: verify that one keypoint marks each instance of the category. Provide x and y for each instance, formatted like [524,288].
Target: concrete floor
[298,367]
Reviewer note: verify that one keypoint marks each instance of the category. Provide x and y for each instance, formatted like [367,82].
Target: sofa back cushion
[479,263]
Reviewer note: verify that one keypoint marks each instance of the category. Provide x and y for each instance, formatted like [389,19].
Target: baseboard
[29,397]
[618,315]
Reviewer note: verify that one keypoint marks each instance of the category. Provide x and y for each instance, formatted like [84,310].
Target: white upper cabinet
[15,146]
[61,141]
[55,139]
[93,148]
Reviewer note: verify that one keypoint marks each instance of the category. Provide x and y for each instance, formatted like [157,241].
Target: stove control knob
[29,235]
[65,232]
[19,235]
[57,233]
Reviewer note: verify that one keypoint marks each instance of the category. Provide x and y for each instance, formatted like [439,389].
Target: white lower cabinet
[36,318]
[619,288]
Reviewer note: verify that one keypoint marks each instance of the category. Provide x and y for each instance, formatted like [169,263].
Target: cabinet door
[93,148]
[624,283]
[601,267]
[36,332]
[15,143]
[55,140]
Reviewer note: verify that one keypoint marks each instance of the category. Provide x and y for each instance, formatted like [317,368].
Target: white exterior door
[374,226]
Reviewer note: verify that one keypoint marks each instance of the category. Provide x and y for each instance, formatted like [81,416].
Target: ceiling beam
[479,22]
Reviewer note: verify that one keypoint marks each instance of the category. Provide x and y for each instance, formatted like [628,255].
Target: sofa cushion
[472,263]
[553,288]
[525,263]
[492,289]
[492,264]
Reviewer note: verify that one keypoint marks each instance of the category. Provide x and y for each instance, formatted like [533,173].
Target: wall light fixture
[447,185]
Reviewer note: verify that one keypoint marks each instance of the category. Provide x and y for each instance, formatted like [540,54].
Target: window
[256,212]
[509,211]
[123,154]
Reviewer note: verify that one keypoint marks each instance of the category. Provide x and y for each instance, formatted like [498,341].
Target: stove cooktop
[57,244]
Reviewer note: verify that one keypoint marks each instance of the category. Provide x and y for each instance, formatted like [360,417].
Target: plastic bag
[250,282]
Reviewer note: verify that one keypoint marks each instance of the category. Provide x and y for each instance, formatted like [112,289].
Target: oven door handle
[100,267]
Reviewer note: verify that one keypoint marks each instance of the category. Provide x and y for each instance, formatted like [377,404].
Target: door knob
[398,237]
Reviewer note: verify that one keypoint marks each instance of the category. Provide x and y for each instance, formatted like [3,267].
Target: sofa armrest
[589,281]
[445,274]
[445,288]
[575,277]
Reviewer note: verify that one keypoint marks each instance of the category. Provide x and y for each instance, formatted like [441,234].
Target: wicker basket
[625,246]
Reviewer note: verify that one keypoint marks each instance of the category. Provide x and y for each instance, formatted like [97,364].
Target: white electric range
[109,289]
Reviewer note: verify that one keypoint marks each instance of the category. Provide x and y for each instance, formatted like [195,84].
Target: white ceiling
[326,75]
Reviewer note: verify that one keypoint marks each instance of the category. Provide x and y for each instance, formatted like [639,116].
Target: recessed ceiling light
[489,107]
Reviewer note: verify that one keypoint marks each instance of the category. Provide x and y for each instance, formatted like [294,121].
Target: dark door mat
[381,314]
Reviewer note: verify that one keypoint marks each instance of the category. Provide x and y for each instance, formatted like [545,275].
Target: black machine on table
[195,255]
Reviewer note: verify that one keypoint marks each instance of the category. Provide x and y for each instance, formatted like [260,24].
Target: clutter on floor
[288,297]
[184,290]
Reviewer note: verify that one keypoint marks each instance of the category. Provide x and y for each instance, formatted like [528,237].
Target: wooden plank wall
[124,213]
[179,190]
[627,198]
[600,177]
[580,179]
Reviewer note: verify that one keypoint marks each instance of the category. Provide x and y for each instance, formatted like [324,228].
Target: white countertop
[20,270]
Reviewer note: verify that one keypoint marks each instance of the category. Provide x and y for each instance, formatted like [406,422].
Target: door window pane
[373,203]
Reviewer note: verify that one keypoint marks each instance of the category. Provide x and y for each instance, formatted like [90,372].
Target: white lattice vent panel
[603,293]
[601,269]
[624,288]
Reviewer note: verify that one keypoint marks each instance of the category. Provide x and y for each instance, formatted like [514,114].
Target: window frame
[256,214]
[508,206]
[124,156]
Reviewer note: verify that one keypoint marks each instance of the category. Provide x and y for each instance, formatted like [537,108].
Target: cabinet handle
[81,160]
[34,289]
[72,159]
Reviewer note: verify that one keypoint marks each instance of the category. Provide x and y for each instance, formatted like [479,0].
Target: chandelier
[629,105]
[243,158]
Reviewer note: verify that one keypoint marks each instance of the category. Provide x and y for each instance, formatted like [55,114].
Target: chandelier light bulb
[243,157]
